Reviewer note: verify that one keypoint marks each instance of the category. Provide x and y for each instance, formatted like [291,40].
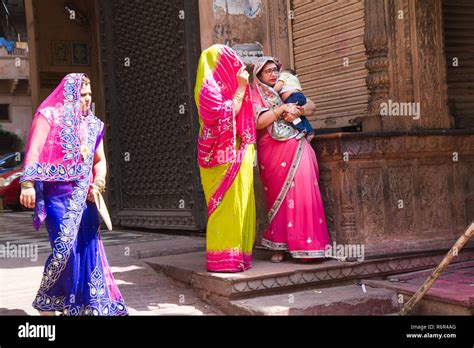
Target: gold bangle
[99,188]
[27,184]
[277,117]
[239,97]
[99,183]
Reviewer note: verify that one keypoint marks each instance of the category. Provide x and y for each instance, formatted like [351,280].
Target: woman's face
[269,74]
[86,97]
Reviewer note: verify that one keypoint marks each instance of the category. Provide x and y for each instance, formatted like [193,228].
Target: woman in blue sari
[64,163]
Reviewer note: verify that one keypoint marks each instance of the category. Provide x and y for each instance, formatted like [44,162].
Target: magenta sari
[290,176]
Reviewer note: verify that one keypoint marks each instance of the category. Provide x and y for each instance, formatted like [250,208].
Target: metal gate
[149,54]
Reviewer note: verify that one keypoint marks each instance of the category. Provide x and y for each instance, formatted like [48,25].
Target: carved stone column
[277,27]
[429,64]
[376,44]
[417,71]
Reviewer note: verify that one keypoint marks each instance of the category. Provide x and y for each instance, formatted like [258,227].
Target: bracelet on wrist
[99,184]
[238,98]
[276,114]
[27,184]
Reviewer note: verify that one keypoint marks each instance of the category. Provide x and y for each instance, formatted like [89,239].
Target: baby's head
[290,71]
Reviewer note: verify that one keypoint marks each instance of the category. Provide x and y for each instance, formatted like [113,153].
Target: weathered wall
[53,26]
[243,23]
[20,114]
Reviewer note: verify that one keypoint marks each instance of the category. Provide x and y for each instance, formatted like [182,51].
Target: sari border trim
[228,260]
[287,184]
[301,254]
[114,308]
[274,246]
[294,253]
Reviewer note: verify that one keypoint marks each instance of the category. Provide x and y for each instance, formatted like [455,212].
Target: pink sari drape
[289,172]
[290,176]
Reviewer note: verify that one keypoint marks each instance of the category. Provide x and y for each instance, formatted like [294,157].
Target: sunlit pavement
[145,291]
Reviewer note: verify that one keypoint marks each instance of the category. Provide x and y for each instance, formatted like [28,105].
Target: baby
[289,87]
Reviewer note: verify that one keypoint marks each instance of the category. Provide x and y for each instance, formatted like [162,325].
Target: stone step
[339,300]
[269,278]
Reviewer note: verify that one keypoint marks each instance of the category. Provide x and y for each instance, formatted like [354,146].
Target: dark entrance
[149,55]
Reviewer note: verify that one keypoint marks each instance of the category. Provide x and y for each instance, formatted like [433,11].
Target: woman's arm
[100,162]
[238,99]
[268,117]
[242,78]
[100,171]
[39,131]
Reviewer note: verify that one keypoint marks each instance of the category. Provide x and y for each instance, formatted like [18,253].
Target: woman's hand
[307,109]
[242,78]
[292,113]
[90,195]
[28,197]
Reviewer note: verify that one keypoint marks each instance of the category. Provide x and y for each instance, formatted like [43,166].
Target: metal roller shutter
[324,33]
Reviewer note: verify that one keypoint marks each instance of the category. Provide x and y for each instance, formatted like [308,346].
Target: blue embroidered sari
[77,279]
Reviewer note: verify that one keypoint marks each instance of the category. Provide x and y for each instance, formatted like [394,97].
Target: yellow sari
[225,156]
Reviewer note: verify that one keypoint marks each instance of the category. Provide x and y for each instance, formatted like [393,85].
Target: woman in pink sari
[289,172]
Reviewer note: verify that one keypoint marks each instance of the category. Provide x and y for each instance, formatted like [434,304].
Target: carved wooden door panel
[149,54]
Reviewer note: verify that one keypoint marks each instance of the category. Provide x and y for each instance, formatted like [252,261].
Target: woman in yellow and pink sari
[225,157]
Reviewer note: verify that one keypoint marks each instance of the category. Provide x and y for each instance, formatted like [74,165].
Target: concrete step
[340,300]
[269,278]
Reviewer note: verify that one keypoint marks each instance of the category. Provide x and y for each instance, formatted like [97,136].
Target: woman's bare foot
[278,257]
[47,314]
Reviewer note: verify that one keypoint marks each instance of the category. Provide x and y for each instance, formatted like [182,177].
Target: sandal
[277,257]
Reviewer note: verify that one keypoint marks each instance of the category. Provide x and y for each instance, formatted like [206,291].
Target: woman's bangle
[27,184]
[277,115]
[239,96]
[99,183]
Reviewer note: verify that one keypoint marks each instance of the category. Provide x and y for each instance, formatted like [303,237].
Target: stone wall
[397,192]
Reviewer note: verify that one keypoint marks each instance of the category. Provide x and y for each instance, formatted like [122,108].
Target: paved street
[146,292]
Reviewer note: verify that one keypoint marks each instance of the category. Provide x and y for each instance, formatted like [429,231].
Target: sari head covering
[266,98]
[263,92]
[58,148]
[216,84]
